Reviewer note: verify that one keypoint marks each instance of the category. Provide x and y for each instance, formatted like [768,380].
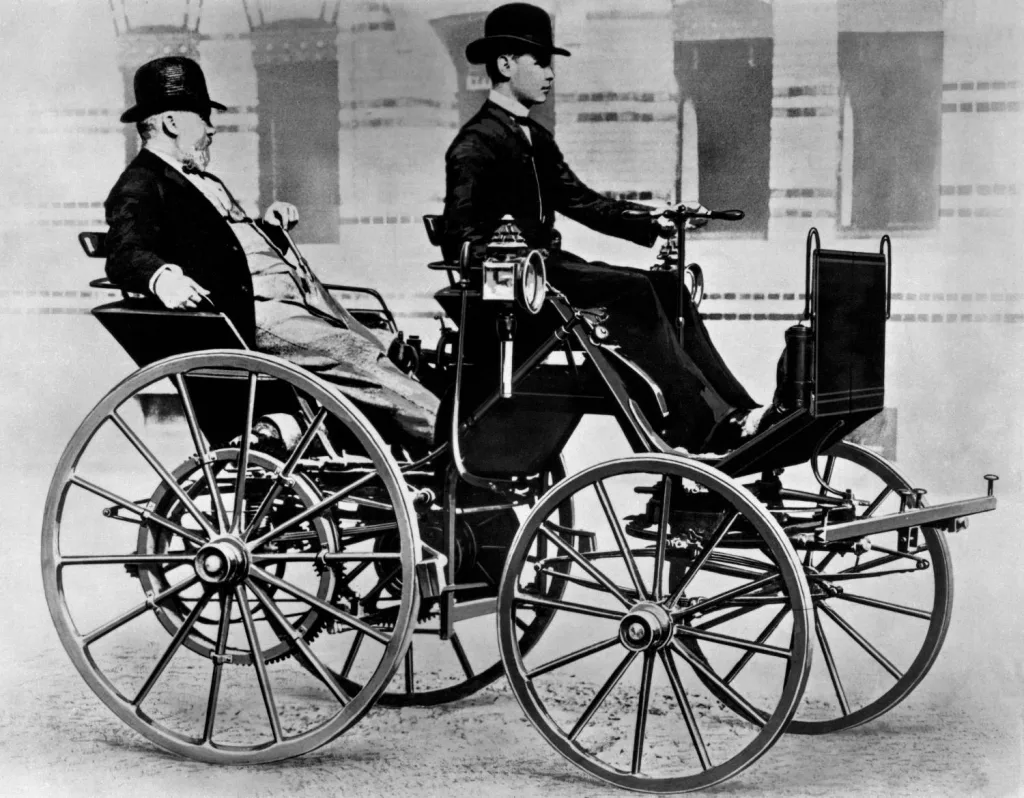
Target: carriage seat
[149,332]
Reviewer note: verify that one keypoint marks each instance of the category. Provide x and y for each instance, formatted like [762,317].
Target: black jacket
[156,216]
[490,173]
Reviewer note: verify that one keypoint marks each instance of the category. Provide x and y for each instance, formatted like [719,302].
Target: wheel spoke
[132,507]
[884,605]
[323,606]
[309,512]
[686,709]
[261,667]
[243,458]
[460,652]
[286,472]
[353,652]
[218,666]
[726,617]
[643,702]
[659,557]
[281,622]
[754,715]
[830,664]
[127,559]
[620,538]
[201,451]
[877,655]
[629,593]
[587,566]
[735,642]
[173,646]
[568,606]
[720,533]
[765,634]
[410,672]
[575,656]
[736,592]
[382,584]
[602,694]
[877,502]
[150,603]
[165,475]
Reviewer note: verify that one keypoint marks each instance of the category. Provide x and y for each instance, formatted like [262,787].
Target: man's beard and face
[531,78]
[195,135]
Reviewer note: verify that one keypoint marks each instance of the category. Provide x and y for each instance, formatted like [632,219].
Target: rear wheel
[234,557]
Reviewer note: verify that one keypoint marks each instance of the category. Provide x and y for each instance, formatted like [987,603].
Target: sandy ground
[959,734]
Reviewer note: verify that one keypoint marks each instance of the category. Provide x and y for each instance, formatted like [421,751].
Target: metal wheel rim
[795,584]
[941,615]
[375,448]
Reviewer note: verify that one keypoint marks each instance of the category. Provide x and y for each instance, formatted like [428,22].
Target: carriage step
[942,516]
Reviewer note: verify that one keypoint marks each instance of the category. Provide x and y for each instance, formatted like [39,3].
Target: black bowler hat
[512,27]
[174,83]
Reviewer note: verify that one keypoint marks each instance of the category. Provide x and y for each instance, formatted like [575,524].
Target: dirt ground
[959,734]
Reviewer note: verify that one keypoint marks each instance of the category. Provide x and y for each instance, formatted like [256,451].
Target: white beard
[197,157]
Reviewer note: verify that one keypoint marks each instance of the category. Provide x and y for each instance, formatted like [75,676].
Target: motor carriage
[656,613]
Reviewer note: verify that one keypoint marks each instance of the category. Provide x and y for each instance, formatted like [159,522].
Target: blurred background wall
[858,117]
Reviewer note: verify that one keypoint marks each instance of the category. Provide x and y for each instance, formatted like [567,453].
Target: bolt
[991,479]
[636,631]
[904,494]
[960,524]
[919,494]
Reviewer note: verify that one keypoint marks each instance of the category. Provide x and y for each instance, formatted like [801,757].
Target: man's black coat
[157,216]
[492,170]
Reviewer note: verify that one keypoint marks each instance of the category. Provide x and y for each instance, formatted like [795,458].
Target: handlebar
[681,214]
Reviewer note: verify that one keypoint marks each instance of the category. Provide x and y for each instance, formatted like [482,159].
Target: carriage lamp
[512,272]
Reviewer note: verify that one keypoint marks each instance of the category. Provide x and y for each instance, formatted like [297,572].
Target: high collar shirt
[514,107]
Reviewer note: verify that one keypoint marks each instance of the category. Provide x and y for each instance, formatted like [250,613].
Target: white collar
[510,104]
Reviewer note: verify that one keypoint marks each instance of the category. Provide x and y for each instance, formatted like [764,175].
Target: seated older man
[176,232]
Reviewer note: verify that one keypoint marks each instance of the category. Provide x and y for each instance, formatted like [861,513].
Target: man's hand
[282,214]
[179,292]
[667,227]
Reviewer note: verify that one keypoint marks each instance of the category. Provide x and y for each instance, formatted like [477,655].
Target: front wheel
[625,683]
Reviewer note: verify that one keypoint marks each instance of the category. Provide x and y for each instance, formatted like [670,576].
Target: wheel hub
[222,562]
[646,627]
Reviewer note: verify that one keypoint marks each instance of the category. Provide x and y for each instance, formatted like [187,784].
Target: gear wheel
[318,534]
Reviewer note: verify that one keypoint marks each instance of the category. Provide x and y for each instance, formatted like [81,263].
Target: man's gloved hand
[282,214]
[178,291]
[667,227]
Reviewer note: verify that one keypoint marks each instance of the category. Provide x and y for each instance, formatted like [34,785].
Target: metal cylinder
[799,351]
[506,334]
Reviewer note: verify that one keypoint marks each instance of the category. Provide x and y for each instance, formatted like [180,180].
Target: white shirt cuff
[167,267]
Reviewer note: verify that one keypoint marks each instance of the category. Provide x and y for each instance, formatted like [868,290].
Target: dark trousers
[699,388]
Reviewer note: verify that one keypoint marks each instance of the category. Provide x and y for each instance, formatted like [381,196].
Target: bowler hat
[174,83]
[512,27]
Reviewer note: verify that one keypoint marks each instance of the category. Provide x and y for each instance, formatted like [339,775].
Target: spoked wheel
[617,684]
[881,610]
[197,612]
[436,670]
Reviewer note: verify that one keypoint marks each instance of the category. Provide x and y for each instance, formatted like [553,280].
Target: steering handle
[678,215]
